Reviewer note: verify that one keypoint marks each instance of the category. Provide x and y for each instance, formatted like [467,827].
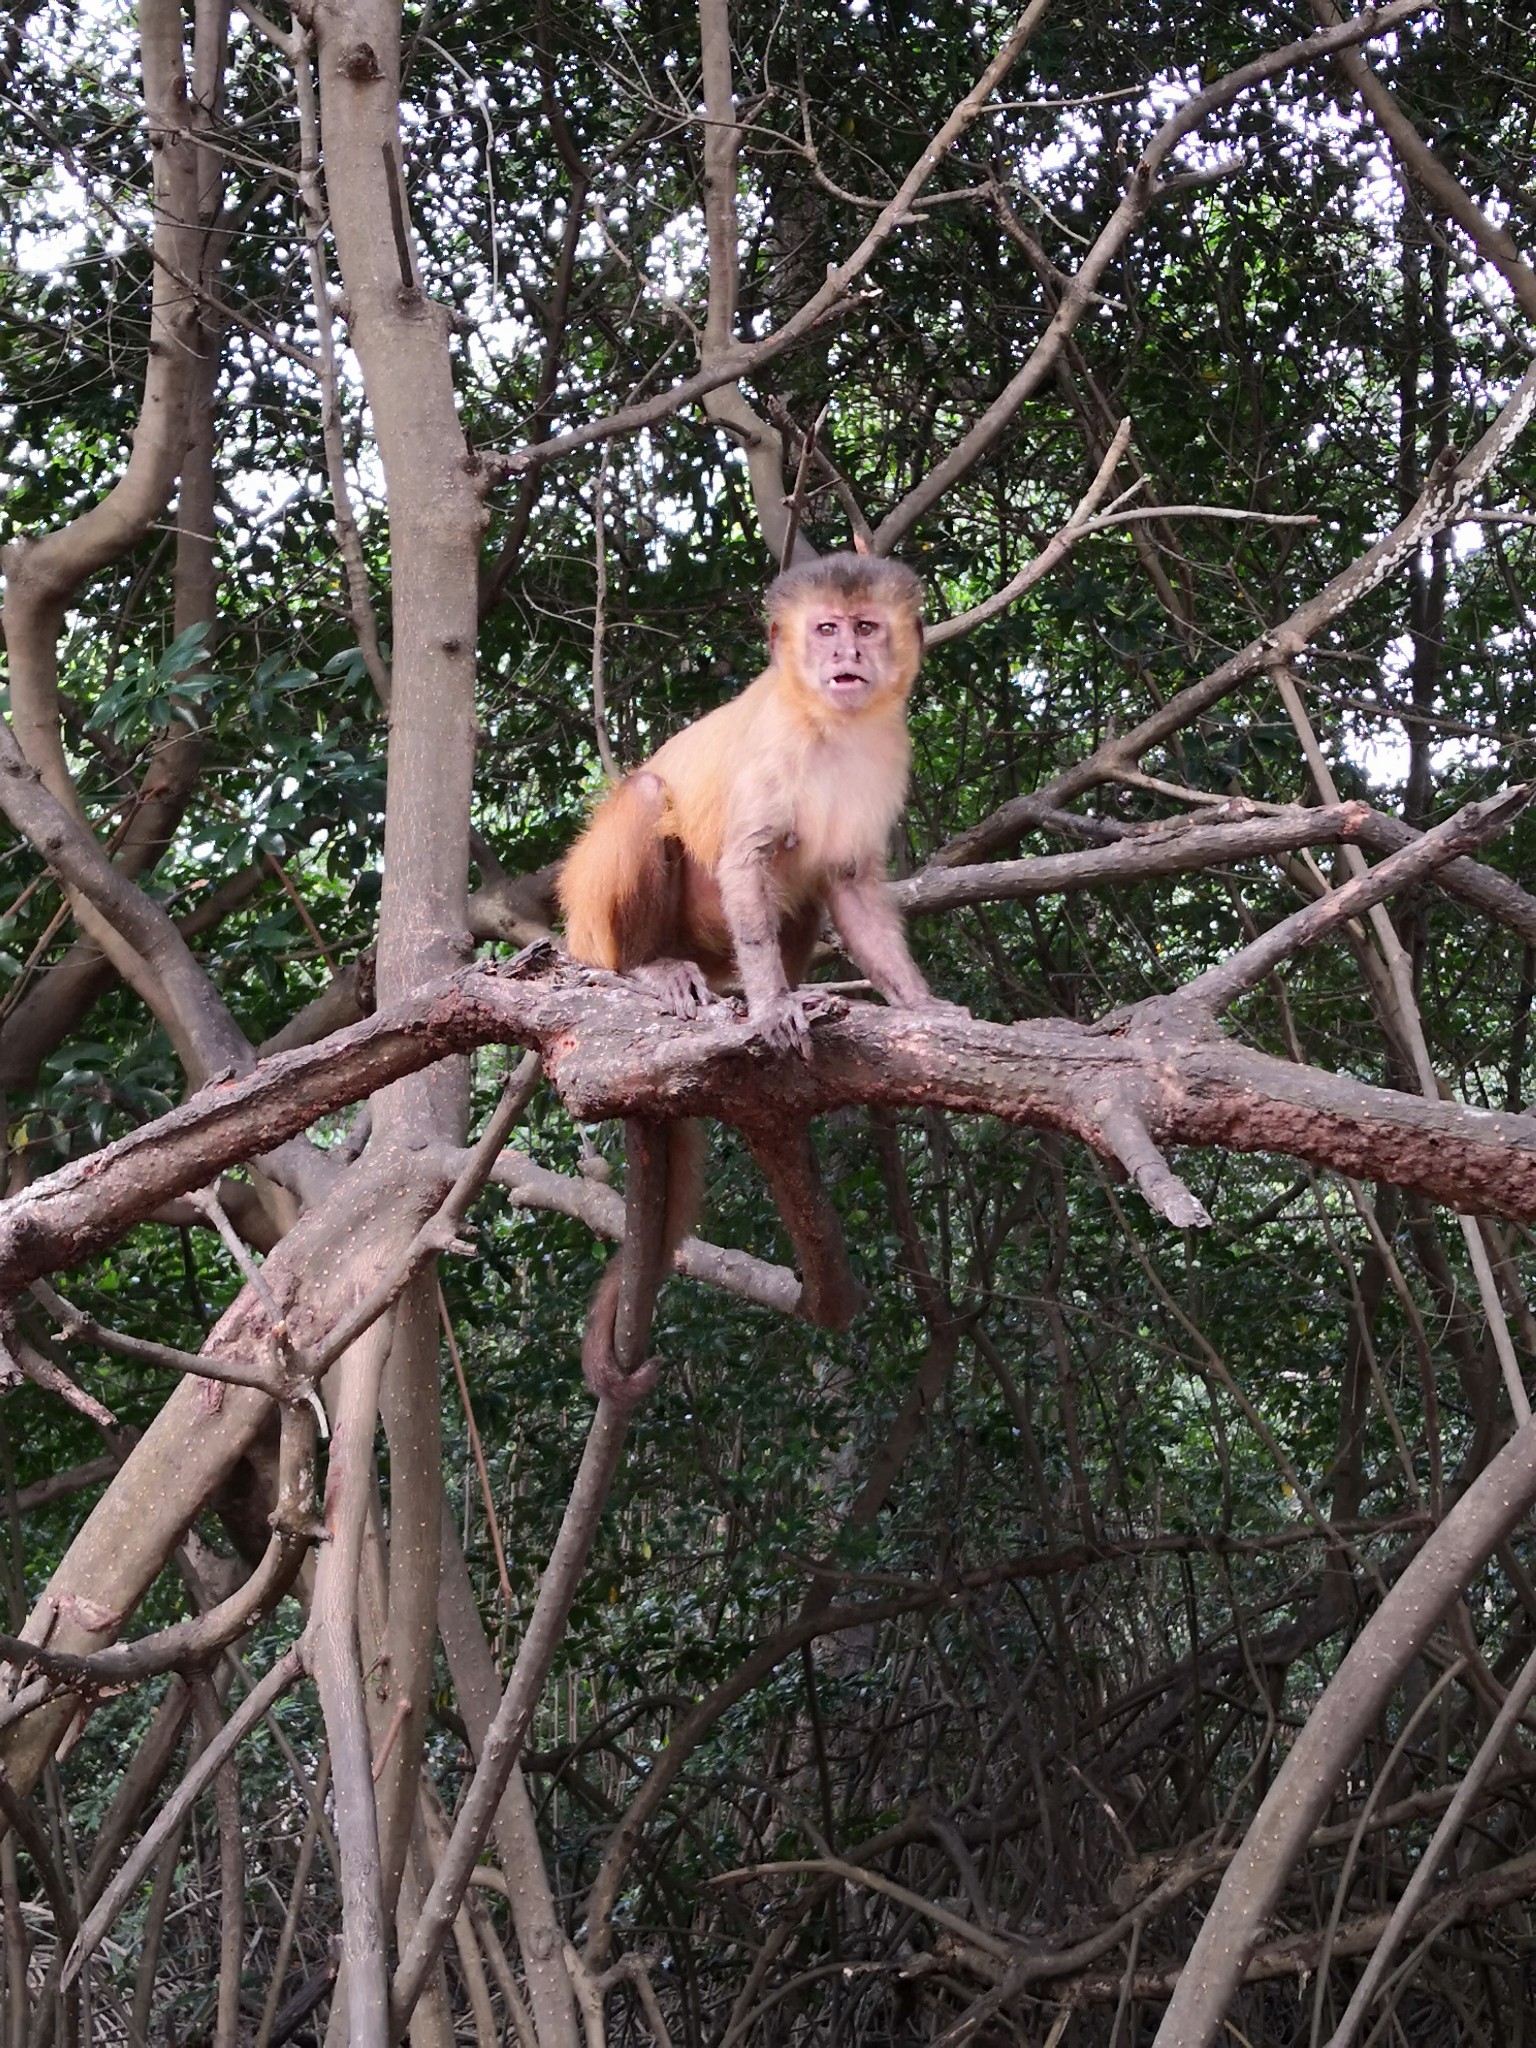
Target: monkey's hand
[934,1006]
[678,985]
[783,1021]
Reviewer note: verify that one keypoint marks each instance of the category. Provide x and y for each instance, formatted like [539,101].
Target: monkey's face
[848,654]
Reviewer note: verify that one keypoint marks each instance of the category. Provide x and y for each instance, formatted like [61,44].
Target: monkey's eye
[826,625]
[864,627]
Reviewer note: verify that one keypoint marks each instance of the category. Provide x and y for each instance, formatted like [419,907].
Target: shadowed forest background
[400,418]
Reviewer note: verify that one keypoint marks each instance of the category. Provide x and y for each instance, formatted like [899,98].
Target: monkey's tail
[614,882]
[600,1367]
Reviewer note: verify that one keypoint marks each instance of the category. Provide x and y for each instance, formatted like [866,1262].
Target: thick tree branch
[1239,831]
[349,541]
[188,1645]
[207,1037]
[1212,839]
[602,1210]
[612,1053]
[43,574]
[316,1275]
[726,405]
[436,520]
[1472,825]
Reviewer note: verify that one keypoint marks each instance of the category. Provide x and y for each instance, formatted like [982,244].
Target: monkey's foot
[678,985]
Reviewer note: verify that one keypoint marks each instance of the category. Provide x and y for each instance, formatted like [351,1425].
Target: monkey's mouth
[847,684]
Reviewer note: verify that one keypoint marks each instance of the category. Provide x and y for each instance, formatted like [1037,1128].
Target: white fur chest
[852,788]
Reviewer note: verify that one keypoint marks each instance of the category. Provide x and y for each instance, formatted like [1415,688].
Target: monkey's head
[847,630]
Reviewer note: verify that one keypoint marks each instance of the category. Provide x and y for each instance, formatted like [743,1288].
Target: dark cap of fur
[850,577]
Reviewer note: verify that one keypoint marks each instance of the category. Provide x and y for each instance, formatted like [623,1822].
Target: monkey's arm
[754,916]
[870,927]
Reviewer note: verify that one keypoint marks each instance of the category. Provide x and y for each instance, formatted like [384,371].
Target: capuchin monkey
[713,864]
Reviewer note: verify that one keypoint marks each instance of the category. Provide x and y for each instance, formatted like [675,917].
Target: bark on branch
[612,1053]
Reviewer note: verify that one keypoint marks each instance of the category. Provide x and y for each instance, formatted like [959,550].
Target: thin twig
[600,619]
[251,1710]
[504,1738]
[1412,1026]
[1346,1873]
[226,1802]
[795,503]
[290,1925]
[75,1325]
[871,1880]
[206,1200]
[477,1451]
[440,1231]
[1059,545]
[1428,1865]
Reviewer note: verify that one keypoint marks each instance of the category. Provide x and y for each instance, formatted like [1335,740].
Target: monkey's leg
[678,985]
[662,1182]
[830,1297]
[621,886]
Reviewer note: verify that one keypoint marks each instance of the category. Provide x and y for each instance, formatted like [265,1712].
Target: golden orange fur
[784,781]
[714,862]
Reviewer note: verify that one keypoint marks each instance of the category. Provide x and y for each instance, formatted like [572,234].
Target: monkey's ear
[860,544]
[773,636]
